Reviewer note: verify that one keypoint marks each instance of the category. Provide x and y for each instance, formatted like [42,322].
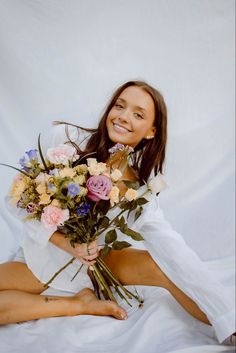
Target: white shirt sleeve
[185,268]
[38,232]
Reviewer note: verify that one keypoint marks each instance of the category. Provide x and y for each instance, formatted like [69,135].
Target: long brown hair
[149,155]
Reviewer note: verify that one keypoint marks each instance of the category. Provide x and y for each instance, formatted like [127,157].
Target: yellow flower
[114,195]
[67,172]
[83,191]
[44,199]
[55,203]
[41,188]
[131,194]
[20,183]
[81,169]
[116,175]
[80,179]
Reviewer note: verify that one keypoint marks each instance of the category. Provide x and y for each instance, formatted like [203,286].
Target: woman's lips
[120,128]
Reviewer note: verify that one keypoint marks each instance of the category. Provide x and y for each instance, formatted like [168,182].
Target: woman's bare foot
[87,304]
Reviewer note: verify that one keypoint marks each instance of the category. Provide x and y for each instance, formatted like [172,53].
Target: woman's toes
[88,304]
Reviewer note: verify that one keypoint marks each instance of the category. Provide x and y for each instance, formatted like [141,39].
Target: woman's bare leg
[20,299]
[136,267]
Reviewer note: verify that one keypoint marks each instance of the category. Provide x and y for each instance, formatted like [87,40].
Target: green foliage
[131,184]
[111,236]
[119,245]
[41,155]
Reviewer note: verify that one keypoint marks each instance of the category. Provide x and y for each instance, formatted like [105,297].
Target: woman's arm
[85,253]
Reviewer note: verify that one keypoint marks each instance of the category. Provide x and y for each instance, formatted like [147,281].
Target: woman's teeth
[118,127]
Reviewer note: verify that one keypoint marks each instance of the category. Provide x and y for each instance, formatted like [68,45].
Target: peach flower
[54,216]
[61,154]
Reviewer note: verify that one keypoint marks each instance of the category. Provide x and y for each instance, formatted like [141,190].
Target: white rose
[91,161]
[157,184]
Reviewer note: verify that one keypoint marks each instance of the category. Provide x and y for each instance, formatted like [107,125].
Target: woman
[135,116]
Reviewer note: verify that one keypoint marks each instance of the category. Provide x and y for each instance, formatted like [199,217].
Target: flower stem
[58,272]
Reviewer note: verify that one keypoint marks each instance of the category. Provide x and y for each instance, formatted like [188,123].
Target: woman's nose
[124,116]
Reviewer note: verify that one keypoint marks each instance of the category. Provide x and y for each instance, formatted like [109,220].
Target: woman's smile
[120,128]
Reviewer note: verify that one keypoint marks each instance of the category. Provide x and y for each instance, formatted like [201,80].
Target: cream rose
[116,175]
[131,194]
[114,195]
[97,168]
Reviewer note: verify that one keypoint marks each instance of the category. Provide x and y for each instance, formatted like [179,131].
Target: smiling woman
[135,116]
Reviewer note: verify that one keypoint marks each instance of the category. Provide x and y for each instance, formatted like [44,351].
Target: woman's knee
[17,276]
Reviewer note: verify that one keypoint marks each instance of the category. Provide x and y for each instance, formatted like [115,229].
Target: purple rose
[99,187]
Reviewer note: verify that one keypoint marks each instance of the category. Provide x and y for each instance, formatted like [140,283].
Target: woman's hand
[85,253]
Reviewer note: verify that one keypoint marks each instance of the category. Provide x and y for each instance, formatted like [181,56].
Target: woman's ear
[151,134]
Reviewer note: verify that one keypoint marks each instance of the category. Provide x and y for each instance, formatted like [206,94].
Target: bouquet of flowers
[76,196]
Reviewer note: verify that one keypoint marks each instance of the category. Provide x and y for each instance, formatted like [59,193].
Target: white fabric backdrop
[63,59]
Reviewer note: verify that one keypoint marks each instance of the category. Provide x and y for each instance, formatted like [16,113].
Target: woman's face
[132,117]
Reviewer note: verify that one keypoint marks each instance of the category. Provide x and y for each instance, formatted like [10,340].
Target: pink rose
[99,186]
[61,154]
[53,216]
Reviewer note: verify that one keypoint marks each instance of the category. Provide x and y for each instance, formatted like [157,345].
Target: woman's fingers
[91,257]
[88,263]
[86,253]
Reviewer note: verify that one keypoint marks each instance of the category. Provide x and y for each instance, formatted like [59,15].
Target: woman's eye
[119,106]
[137,115]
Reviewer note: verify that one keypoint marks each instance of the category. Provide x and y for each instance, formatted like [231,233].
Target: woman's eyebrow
[136,107]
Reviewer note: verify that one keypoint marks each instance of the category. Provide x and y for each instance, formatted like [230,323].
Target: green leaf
[134,235]
[122,221]
[119,245]
[131,184]
[19,170]
[104,223]
[110,236]
[105,251]
[41,155]
[138,213]
[141,201]
[124,205]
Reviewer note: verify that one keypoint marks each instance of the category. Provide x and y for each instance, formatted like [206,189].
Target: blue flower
[54,172]
[29,157]
[32,155]
[83,210]
[73,190]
